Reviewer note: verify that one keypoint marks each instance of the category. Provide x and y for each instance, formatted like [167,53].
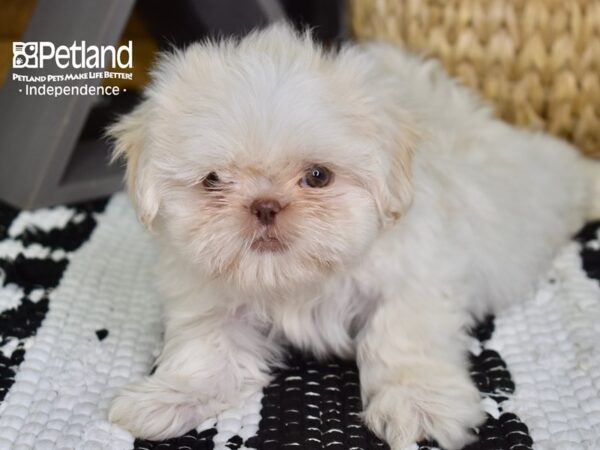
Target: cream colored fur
[437,215]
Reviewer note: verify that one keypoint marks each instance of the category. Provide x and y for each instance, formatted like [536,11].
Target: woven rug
[79,318]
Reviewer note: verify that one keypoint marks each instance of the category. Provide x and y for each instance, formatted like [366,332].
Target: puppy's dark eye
[211,181]
[317,177]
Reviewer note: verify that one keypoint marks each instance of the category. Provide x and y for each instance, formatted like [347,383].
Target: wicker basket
[538,61]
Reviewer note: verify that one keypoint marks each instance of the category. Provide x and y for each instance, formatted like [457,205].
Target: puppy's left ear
[366,80]
[397,152]
[130,135]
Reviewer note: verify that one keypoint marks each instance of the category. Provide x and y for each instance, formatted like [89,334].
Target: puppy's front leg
[414,373]
[208,364]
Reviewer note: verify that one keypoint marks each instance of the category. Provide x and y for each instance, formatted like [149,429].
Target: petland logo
[33,55]
[90,69]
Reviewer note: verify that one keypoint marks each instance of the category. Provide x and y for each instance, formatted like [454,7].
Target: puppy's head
[267,162]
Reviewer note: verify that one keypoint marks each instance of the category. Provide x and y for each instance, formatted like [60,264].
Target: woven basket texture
[537,61]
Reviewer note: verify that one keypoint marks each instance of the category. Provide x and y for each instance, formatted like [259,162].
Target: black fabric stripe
[7,215]
[590,259]
[313,405]
[490,374]
[32,273]
[588,232]
[234,443]
[72,235]
[8,367]
[505,433]
[18,323]
[191,440]
[22,321]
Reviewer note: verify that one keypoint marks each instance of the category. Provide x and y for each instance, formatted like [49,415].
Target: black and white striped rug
[79,318]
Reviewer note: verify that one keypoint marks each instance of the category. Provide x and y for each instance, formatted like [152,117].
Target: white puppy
[356,203]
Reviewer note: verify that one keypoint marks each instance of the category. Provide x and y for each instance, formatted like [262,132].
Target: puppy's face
[262,161]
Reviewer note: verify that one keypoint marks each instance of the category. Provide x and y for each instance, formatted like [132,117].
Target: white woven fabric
[62,388]
[551,344]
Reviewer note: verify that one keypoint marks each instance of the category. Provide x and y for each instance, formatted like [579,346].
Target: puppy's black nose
[265,209]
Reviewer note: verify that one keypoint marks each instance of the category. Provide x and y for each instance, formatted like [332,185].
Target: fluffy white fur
[437,214]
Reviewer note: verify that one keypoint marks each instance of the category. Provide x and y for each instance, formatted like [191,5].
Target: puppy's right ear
[130,138]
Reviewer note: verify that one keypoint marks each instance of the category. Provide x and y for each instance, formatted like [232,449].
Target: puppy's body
[437,214]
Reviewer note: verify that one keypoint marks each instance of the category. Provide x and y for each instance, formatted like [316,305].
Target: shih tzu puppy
[356,203]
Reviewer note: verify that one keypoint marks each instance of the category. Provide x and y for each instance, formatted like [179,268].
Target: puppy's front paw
[151,411]
[444,409]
